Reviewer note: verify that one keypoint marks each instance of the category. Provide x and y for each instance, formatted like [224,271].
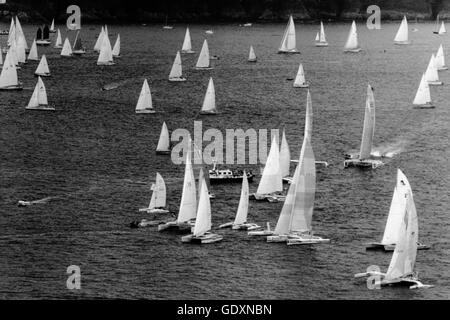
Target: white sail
[402,33]
[20,51]
[1,55]
[300,77]
[440,59]
[285,156]
[42,68]
[352,40]
[320,37]
[164,139]
[241,215]
[317,37]
[58,43]
[369,125]
[203,217]
[288,43]
[188,205]
[52,26]
[442,29]
[39,97]
[116,49]
[33,54]
[67,48]
[105,56]
[209,102]
[251,54]
[20,36]
[158,199]
[13,51]
[98,43]
[187,46]
[308,117]
[177,71]
[271,180]
[431,74]
[8,76]
[203,59]
[12,32]
[423,95]
[145,98]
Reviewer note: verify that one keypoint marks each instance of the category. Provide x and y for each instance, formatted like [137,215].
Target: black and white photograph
[251,151]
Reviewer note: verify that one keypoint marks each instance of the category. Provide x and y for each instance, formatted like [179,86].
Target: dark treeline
[139,11]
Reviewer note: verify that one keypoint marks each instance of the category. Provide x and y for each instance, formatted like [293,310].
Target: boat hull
[145,111]
[177,79]
[105,63]
[12,88]
[402,42]
[352,50]
[368,163]
[175,226]
[206,68]
[435,83]
[42,108]
[154,210]
[215,180]
[424,106]
[301,85]
[187,51]
[79,52]
[210,113]
[305,239]
[292,51]
[163,152]
[277,238]
[321,44]
[204,239]
[267,197]
[391,247]
[42,75]
[43,42]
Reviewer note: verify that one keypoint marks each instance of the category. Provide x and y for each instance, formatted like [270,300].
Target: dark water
[92,153]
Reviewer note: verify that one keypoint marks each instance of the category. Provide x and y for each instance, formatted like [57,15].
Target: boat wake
[389,150]
[24,203]
[115,85]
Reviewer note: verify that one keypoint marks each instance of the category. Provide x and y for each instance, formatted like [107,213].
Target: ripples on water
[95,158]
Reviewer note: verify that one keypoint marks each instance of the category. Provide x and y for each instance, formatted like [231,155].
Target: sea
[92,163]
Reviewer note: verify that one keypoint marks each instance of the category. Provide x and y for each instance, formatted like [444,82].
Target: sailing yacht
[401,267]
[285,156]
[176,73]
[8,76]
[351,45]
[402,34]
[58,43]
[158,201]
[78,48]
[38,100]
[116,48]
[209,102]
[203,62]
[398,204]
[52,27]
[288,43]
[440,59]
[144,104]
[164,141]
[364,159]
[42,69]
[431,74]
[423,96]
[240,221]
[66,49]
[33,54]
[300,81]
[105,57]
[187,46]
[271,184]
[321,40]
[251,55]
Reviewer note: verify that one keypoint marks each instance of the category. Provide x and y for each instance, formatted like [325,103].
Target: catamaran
[116,48]
[288,43]
[251,55]
[209,102]
[300,81]
[158,200]
[440,59]
[396,211]
[364,158]
[351,45]
[42,69]
[423,96]
[105,57]
[402,34]
[176,73]
[58,43]
[285,157]
[38,100]
[261,233]
[187,46]
[240,221]
[144,104]
[401,267]
[271,184]
[43,36]
[431,74]
[164,141]
[321,40]
[33,54]
[66,49]
[52,27]
[8,76]
[78,48]
[203,62]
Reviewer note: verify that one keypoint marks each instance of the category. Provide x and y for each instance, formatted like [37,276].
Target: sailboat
[209,102]
[440,59]
[271,184]
[423,96]
[396,211]
[288,43]
[116,48]
[251,55]
[33,54]
[240,221]
[58,43]
[285,156]
[43,36]
[78,48]
[38,100]
[187,46]
[203,62]
[431,74]
[201,233]
[158,200]
[300,81]
[52,27]
[188,206]
[42,69]
[440,28]
[176,73]
[105,57]
[416,24]
[164,141]
[12,32]
[364,159]
[144,104]
[66,49]
[321,40]
[20,36]
[98,43]
[8,76]
[402,34]
[166,26]
[401,267]
[294,224]
[351,45]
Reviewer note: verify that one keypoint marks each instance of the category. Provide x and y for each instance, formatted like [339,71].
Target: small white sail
[203,61]
[431,74]
[98,43]
[203,217]
[209,102]
[144,104]
[288,43]
[176,73]
[440,59]
[402,34]
[321,40]
[442,29]
[42,69]
[39,97]
[241,215]
[164,140]
[116,49]
[369,125]
[271,180]
[251,55]
[187,46]
[158,199]
[67,49]
[423,95]
[300,81]
[58,43]
[52,26]
[317,37]
[308,117]
[105,57]
[8,76]
[33,54]
[351,45]
[12,32]
[188,205]
[285,156]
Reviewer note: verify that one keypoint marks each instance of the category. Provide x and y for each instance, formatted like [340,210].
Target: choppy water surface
[92,155]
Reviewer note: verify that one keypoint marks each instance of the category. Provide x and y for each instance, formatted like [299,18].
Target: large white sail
[188,205]
[116,49]
[67,49]
[402,34]
[442,29]
[12,32]
[285,156]
[20,36]
[352,40]
[98,43]
[145,99]
[271,180]
[423,95]
[164,140]
[209,102]
[58,43]
[300,80]
[369,125]
[440,59]
[308,117]
[203,61]
[8,76]
[203,217]
[288,43]
[42,69]
[251,55]
[33,54]
[20,51]
[241,215]
[158,199]
[39,97]
[105,56]
[187,46]
[431,74]
[177,71]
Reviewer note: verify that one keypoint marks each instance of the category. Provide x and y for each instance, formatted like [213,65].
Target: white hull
[174,225]
[267,197]
[260,233]
[187,51]
[177,79]
[208,68]
[292,51]
[17,87]
[105,63]
[43,42]
[57,47]
[155,210]
[402,42]
[305,239]
[204,239]
[79,52]
[44,108]
[353,50]
[145,111]
[411,281]
[301,85]
[321,44]
[368,163]
[435,83]
[277,238]
[442,68]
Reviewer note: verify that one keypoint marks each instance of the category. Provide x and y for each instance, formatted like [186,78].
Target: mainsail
[158,199]
[423,93]
[203,216]
[288,43]
[145,98]
[116,49]
[8,76]
[285,156]
[402,33]
[187,46]
[188,205]
[164,140]
[369,125]
[300,77]
[33,54]
[42,68]
[209,102]
[242,212]
[39,97]
[67,49]
[271,180]
[177,71]
[251,55]
[308,117]
[431,74]
[203,59]
[58,43]
[352,40]
[440,59]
